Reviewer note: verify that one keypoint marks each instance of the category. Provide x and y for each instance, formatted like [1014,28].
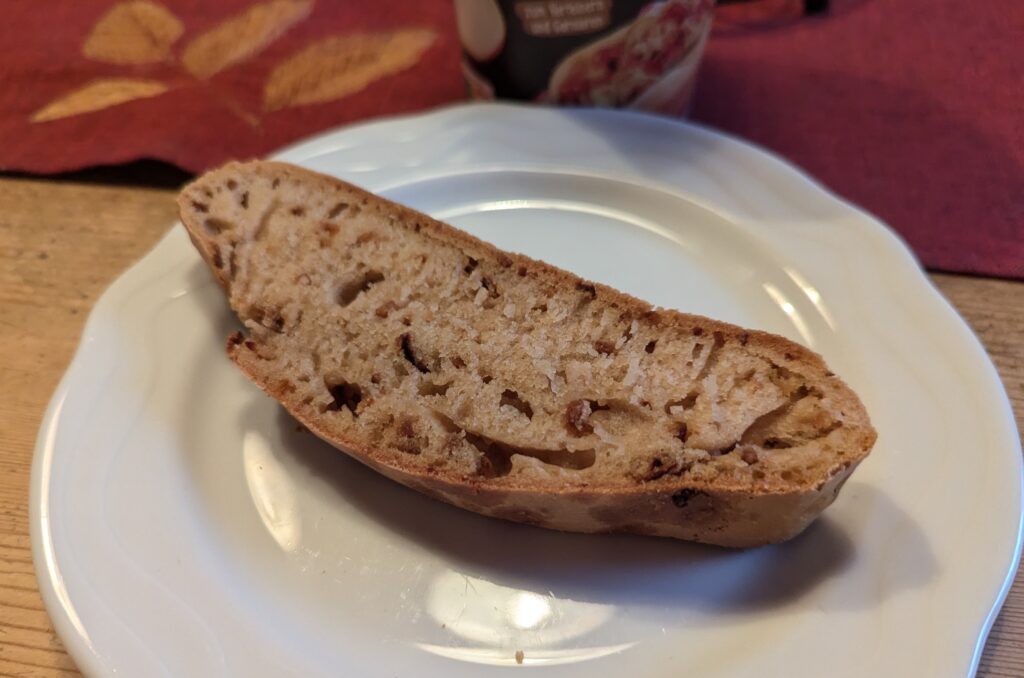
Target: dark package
[623,53]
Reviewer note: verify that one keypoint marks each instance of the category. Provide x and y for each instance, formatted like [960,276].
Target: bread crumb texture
[433,356]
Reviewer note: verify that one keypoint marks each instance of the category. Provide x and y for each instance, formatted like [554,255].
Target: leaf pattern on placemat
[97,95]
[138,32]
[342,65]
[241,36]
[135,32]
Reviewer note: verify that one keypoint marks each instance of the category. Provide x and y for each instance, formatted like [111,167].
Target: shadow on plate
[208,295]
[613,569]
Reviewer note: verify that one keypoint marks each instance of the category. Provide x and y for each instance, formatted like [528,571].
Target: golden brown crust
[722,511]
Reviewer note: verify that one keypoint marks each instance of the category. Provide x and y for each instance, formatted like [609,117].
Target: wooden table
[63,241]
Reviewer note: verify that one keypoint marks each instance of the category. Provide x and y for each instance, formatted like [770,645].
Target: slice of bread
[511,388]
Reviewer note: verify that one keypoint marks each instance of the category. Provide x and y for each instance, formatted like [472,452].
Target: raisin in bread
[511,388]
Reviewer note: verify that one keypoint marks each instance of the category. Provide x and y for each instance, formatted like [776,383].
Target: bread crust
[726,512]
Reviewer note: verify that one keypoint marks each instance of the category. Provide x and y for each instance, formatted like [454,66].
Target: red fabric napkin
[910,108]
[85,82]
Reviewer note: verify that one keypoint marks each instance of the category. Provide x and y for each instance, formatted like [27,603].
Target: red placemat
[86,82]
[910,108]
[913,109]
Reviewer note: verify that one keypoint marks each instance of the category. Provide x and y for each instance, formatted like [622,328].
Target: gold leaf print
[243,35]
[97,95]
[136,32]
[342,65]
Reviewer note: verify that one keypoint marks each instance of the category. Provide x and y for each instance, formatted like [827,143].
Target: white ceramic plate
[182,526]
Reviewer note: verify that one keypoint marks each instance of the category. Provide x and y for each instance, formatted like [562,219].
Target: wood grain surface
[63,241]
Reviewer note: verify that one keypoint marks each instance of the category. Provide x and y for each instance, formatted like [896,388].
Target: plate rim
[58,606]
